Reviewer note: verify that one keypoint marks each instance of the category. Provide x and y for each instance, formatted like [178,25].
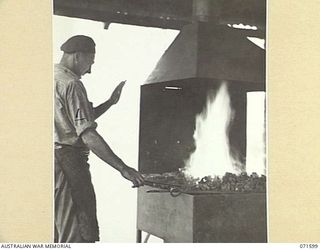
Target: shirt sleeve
[79,107]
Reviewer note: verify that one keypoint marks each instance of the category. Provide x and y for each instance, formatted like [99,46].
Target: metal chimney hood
[210,51]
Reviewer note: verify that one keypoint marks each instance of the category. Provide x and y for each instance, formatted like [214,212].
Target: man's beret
[79,43]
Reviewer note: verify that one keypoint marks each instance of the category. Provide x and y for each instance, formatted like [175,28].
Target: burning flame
[212,155]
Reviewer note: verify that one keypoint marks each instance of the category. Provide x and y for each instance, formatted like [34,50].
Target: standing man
[75,135]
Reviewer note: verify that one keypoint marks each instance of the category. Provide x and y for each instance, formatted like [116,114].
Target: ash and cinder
[228,183]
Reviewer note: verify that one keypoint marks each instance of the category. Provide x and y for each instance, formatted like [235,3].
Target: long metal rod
[147,238]
[156,184]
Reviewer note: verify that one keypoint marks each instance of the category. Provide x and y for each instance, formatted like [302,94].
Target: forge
[203,59]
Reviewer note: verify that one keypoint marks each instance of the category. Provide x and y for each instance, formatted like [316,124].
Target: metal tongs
[174,189]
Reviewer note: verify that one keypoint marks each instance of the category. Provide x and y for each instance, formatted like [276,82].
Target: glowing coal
[212,154]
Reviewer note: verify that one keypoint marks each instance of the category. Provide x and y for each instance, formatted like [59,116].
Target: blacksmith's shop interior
[205,168]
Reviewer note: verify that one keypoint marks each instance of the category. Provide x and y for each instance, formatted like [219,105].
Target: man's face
[85,61]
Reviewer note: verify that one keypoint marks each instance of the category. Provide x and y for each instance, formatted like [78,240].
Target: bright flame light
[258,41]
[243,26]
[256,133]
[212,155]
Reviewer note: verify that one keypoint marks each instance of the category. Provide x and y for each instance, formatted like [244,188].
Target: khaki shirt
[73,113]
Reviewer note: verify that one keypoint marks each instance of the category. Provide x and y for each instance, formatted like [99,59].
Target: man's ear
[76,57]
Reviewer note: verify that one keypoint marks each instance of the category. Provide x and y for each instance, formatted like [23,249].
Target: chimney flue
[201,10]
[206,10]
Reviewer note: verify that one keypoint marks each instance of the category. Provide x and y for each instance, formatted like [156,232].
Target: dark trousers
[75,201]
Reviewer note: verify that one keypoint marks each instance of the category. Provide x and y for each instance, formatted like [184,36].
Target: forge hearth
[237,217]
[228,183]
[177,209]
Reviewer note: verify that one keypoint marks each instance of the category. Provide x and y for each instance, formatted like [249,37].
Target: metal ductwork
[209,51]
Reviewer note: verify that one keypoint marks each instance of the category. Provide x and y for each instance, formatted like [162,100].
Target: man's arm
[98,146]
[115,96]
[102,108]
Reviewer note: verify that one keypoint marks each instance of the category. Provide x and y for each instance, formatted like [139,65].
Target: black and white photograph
[160,121]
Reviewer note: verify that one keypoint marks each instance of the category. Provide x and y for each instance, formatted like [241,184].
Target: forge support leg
[139,236]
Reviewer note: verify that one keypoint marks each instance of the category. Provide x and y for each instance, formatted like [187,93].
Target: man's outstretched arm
[102,108]
[115,96]
[98,146]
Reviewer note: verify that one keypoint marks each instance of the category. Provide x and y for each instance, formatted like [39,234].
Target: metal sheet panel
[163,13]
[205,50]
[164,216]
[238,217]
[222,218]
